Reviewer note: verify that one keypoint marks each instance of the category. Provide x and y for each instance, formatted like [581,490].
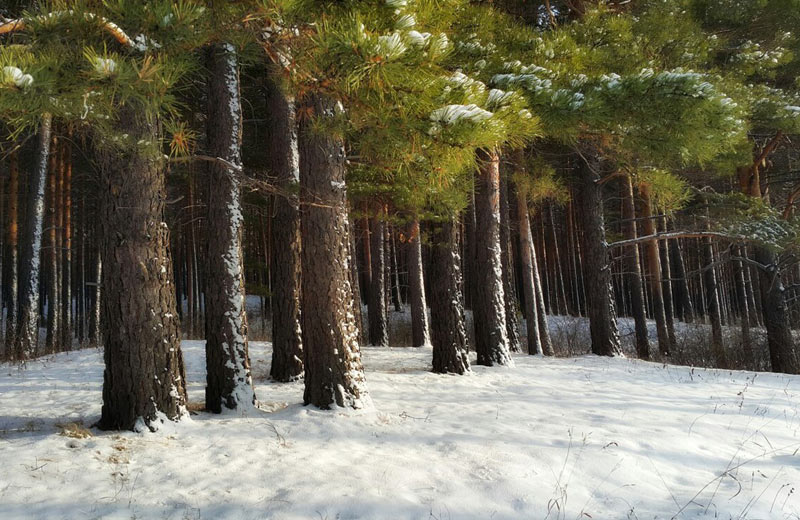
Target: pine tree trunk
[597,268]
[654,270]
[333,370]
[634,272]
[666,285]
[712,304]
[744,309]
[394,270]
[356,285]
[66,269]
[95,320]
[782,352]
[682,294]
[144,380]
[228,380]
[287,337]
[53,291]
[529,270]
[378,331]
[13,253]
[448,329]
[507,263]
[489,311]
[420,332]
[27,337]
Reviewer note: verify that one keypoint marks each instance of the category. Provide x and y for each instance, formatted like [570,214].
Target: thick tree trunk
[27,337]
[228,380]
[489,311]
[634,273]
[333,371]
[287,337]
[378,330]
[597,268]
[654,270]
[144,380]
[420,332]
[782,352]
[448,330]
[507,263]
[13,252]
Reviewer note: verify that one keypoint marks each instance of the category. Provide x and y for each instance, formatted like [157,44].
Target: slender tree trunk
[744,309]
[27,337]
[448,330]
[666,286]
[53,292]
[491,341]
[529,271]
[378,330]
[394,270]
[597,272]
[654,270]
[66,276]
[228,380]
[634,273]
[287,337]
[144,380]
[355,283]
[507,263]
[333,370]
[95,321]
[13,252]
[683,295]
[420,332]
[712,304]
[470,254]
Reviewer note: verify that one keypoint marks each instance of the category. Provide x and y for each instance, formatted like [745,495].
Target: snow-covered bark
[448,330]
[334,375]
[228,381]
[28,324]
[491,340]
[144,379]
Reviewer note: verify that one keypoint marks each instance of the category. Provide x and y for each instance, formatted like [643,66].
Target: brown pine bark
[144,380]
[491,341]
[228,380]
[285,273]
[634,272]
[333,371]
[448,329]
[653,259]
[66,250]
[597,268]
[534,339]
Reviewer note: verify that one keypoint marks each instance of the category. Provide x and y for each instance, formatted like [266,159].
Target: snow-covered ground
[559,438]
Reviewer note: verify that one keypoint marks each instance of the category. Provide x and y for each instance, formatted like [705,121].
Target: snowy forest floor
[559,438]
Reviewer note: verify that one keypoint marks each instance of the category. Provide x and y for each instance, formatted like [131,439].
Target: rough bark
[420,331]
[633,271]
[27,336]
[489,311]
[66,255]
[228,380]
[53,334]
[597,266]
[333,371]
[287,337]
[144,380]
[376,312]
[782,351]
[448,330]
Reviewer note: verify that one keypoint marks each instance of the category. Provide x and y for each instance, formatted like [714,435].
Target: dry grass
[74,430]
